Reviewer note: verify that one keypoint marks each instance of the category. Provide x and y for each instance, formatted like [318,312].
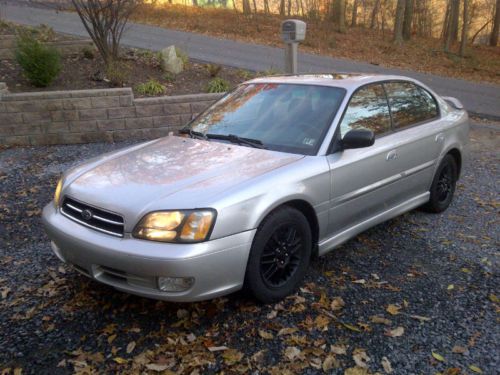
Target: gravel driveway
[418,294]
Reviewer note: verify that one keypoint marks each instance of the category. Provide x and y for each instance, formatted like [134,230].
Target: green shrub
[41,64]
[183,56]
[169,77]
[245,74]
[213,69]
[217,85]
[117,73]
[151,88]
[88,52]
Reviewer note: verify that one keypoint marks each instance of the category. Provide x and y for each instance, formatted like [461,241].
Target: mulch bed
[79,72]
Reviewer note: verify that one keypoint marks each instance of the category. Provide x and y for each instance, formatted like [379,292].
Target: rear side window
[367,109]
[410,104]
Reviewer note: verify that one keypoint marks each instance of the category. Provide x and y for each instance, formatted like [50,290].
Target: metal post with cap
[292,32]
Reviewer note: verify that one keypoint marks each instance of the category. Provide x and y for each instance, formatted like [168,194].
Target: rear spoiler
[454,102]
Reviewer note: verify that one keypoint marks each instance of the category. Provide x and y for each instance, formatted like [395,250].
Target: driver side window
[367,109]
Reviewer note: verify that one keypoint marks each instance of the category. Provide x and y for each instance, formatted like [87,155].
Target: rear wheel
[280,255]
[443,185]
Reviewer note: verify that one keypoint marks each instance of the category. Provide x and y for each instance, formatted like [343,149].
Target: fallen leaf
[232,356]
[287,331]
[182,313]
[4,292]
[329,363]
[258,357]
[493,298]
[421,318]
[450,287]
[386,365]
[292,352]
[337,304]
[465,270]
[217,348]
[459,349]
[130,347]
[380,320]
[316,363]
[360,281]
[475,369]
[338,349]
[265,334]
[437,356]
[356,371]
[157,367]
[393,309]
[351,327]
[321,322]
[18,371]
[272,314]
[120,360]
[361,358]
[191,337]
[111,339]
[396,332]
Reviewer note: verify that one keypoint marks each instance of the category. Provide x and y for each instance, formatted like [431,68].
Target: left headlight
[57,193]
[176,226]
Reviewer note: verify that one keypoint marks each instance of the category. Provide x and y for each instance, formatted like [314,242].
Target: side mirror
[358,138]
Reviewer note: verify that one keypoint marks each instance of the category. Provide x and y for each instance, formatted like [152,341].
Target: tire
[280,255]
[443,186]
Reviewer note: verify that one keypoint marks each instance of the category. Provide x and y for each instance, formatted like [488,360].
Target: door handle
[392,155]
[440,138]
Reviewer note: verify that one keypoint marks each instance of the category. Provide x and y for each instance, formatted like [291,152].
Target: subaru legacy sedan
[279,170]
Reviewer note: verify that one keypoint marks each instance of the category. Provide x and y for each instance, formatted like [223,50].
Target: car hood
[172,172]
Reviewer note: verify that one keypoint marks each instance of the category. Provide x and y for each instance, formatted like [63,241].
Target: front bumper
[132,265]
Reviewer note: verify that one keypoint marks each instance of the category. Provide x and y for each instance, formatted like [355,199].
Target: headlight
[176,226]
[57,193]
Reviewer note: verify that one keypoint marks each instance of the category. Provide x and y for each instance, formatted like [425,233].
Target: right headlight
[57,193]
[176,226]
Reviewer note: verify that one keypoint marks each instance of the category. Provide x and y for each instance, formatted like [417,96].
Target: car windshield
[283,117]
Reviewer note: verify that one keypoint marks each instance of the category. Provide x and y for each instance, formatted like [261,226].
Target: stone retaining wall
[82,116]
[65,47]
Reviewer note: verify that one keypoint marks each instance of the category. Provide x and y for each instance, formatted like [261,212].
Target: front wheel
[280,255]
[443,185]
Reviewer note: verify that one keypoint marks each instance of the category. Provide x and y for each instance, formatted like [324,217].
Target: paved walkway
[478,98]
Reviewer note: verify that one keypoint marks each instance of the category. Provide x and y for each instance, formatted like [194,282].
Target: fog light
[175,284]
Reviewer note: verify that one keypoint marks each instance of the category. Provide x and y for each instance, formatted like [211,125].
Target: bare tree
[398,23]
[354,18]
[339,16]
[451,32]
[465,28]
[408,19]
[105,21]
[374,15]
[496,22]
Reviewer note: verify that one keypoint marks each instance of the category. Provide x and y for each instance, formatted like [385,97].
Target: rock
[170,62]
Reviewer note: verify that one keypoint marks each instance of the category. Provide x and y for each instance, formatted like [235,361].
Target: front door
[365,181]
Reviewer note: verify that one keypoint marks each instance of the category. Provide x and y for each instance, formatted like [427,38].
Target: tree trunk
[398,23]
[374,15]
[496,22]
[408,19]
[247,9]
[339,16]
[354,18]
[452,29]
[465,29]
[454,15]
[282,7]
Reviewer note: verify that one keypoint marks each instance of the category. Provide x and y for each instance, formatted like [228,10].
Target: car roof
[345,80]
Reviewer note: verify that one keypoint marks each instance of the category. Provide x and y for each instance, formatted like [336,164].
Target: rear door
[418,135]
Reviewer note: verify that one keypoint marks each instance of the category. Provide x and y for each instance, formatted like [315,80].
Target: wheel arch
[455,153]
[308,211]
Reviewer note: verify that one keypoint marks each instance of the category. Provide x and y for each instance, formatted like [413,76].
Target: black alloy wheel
[443,185]
[279,256]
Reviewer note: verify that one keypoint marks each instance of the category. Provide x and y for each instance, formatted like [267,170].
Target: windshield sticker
[309,141]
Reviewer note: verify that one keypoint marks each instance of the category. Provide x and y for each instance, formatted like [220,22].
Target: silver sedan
[279,170]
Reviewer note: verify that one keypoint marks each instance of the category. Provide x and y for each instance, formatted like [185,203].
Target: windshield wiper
[193,133]
[236,139]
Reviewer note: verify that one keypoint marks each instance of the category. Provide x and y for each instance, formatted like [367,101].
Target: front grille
[91,217]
